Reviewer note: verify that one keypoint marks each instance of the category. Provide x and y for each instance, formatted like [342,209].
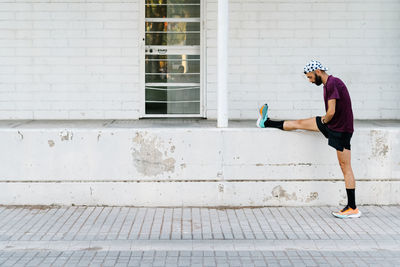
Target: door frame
[142,66]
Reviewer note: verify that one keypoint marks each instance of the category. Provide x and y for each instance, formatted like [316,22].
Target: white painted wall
[69,59]
[271,41]
[75,59]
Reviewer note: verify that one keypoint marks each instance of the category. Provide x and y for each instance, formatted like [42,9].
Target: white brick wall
[271,41]
[69,59]
[79,59]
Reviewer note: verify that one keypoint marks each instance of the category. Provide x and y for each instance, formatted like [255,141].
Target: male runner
[336,126]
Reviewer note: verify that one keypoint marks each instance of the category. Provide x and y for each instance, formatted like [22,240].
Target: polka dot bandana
[313,65]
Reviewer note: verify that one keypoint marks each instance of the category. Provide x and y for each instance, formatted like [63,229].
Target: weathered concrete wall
[134,163]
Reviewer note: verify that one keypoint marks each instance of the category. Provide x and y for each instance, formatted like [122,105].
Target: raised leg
[304,124]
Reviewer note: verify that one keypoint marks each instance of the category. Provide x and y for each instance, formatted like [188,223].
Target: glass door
[172,57]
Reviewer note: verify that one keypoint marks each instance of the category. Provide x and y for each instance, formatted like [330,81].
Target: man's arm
[330,112]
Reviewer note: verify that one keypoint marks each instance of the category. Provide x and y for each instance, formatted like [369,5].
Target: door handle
[162,51]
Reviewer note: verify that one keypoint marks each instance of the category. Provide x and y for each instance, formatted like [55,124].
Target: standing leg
[350,211]
[344,158]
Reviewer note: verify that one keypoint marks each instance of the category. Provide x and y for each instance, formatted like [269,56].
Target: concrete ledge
[203,194]
[190,163]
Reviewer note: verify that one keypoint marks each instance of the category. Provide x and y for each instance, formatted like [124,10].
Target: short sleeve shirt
[343,120]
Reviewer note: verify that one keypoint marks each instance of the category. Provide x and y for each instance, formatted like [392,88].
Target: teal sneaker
[263,116]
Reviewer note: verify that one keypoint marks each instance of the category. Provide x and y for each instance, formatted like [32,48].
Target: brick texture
[271,41]
[70,59]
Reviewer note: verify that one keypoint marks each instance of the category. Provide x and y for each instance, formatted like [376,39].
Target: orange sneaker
[347,212]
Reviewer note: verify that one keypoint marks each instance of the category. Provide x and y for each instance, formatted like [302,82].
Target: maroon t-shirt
[342,121]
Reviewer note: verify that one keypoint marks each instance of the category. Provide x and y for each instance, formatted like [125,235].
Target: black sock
[274,124]
[351,198]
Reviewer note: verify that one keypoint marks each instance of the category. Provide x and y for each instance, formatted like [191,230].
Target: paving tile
[282,236]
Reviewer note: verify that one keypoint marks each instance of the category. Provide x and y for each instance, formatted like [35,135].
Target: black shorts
[337,140]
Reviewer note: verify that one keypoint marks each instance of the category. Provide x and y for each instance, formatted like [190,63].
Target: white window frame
[142,67]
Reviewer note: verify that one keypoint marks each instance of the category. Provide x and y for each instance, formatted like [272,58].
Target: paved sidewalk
[125,236]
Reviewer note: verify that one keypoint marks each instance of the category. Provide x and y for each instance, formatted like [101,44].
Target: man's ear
[318,72]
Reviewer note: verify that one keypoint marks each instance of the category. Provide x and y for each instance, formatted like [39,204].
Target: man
[336,126]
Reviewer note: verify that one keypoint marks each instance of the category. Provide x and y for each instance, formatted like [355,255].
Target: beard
[318,80]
